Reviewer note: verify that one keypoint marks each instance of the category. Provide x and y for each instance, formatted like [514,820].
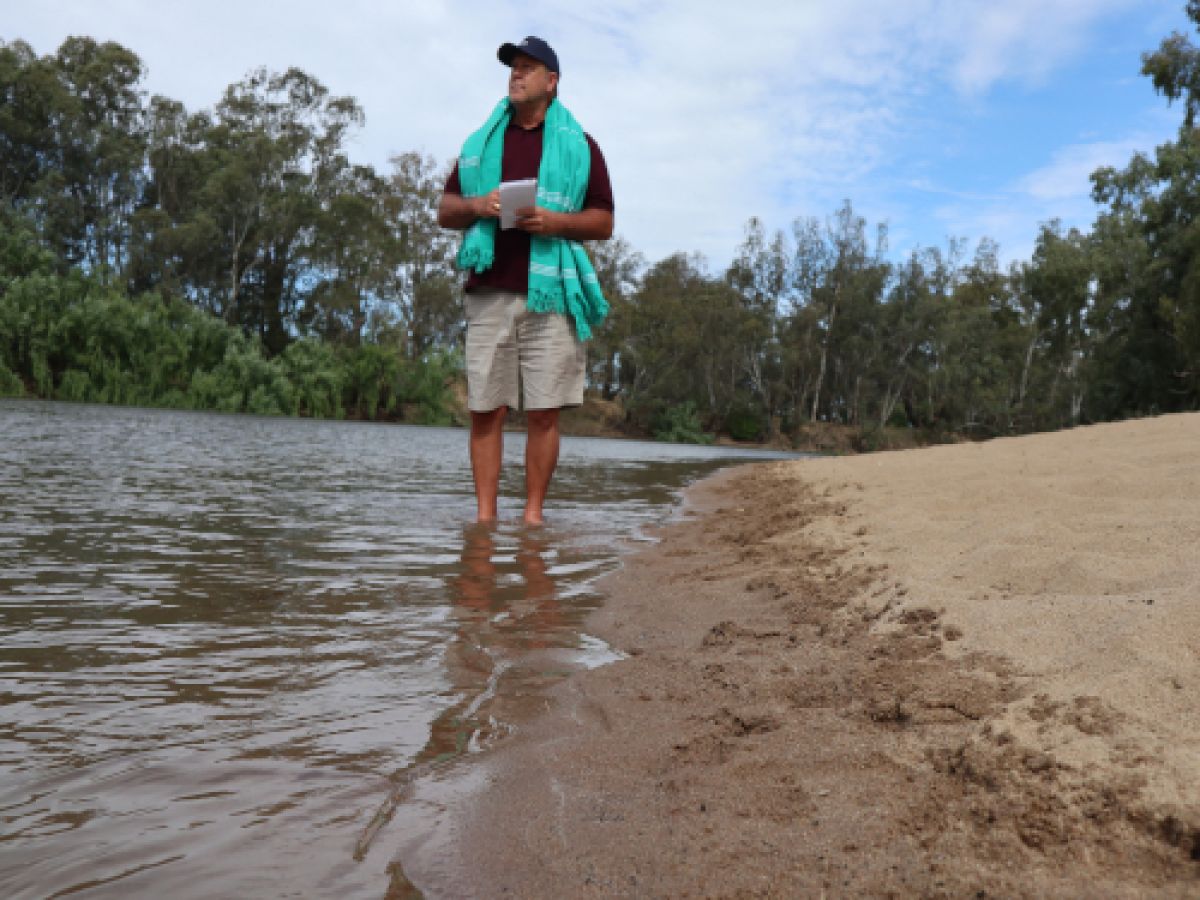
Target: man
[531,293]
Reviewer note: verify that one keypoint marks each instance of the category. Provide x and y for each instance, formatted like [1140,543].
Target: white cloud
[1022,39]
[1059,190]
[1067,175]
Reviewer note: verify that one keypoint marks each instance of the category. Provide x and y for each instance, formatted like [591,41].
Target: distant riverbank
[606,418]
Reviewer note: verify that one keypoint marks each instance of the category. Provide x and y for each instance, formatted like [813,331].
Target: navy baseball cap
[531,46]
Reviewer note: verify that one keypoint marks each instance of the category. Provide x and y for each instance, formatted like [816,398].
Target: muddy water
[227,643]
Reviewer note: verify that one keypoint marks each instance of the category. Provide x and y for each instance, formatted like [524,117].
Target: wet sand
[962,671]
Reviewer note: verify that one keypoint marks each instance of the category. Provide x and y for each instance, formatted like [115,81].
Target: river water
[228,642]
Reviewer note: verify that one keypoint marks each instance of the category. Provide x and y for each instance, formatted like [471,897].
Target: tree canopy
[237,258]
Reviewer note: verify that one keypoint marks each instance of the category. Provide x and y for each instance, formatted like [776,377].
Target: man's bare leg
[541,457]
[487,450]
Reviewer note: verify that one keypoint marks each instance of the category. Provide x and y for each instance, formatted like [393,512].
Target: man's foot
[541,458]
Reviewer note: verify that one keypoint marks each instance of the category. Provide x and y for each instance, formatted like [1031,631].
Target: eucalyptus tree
[351,257]
[31,97]
[423,284]
[687,339]
[907,325]
[656,350]
[1148,298]
[760,273]
[860,342]
[72,144]
[178,244]
[619,268]
[972,381]
[1054,293]
[1130,337]
[834,266]
[1146,294]
[103,142]
[276,147]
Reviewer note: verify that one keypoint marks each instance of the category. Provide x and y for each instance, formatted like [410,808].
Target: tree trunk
[235,282]
[909,411]
[275,337]
[1025,370]
[890,399]
[816,404]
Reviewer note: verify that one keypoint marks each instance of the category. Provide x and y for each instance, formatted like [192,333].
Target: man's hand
[457,211]
[585,225]
[487,206]
[536,220]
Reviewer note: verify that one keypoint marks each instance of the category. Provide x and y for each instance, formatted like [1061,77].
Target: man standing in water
[532,296]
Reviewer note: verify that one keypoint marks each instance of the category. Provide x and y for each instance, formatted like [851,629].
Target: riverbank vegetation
[235,258]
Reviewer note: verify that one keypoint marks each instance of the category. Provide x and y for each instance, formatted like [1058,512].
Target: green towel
[561,277]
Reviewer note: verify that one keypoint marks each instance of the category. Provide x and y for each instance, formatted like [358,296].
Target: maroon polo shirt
[522,157]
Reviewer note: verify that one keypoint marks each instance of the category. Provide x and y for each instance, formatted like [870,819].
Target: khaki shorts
[504,339]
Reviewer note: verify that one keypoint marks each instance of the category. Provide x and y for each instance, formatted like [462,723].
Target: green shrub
[72,338]
[425,385]
[745,424]
[680,424]
[316,377]
[10,384]
[371,373]
[244,382]
[74,386]
[20,254]
[265,400]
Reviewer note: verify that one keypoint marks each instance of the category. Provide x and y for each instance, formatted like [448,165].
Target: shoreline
[932,672]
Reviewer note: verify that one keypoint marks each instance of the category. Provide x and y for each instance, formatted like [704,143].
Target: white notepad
[515,195]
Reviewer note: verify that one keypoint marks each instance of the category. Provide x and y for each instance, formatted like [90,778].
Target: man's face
[530,80]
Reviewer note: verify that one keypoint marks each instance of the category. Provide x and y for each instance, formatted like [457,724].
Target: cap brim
[506,53]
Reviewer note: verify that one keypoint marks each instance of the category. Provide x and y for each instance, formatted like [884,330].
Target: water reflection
[520,608]
[512,633]
[505,607]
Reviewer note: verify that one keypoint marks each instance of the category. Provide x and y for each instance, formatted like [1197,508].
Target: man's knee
[482,422]
[542,419]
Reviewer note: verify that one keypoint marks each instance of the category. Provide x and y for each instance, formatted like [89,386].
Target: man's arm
[593,223]
[459,212]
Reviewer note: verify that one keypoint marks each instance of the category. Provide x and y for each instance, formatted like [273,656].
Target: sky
[941,119]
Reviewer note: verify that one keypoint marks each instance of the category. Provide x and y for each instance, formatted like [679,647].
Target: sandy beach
[970,670]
